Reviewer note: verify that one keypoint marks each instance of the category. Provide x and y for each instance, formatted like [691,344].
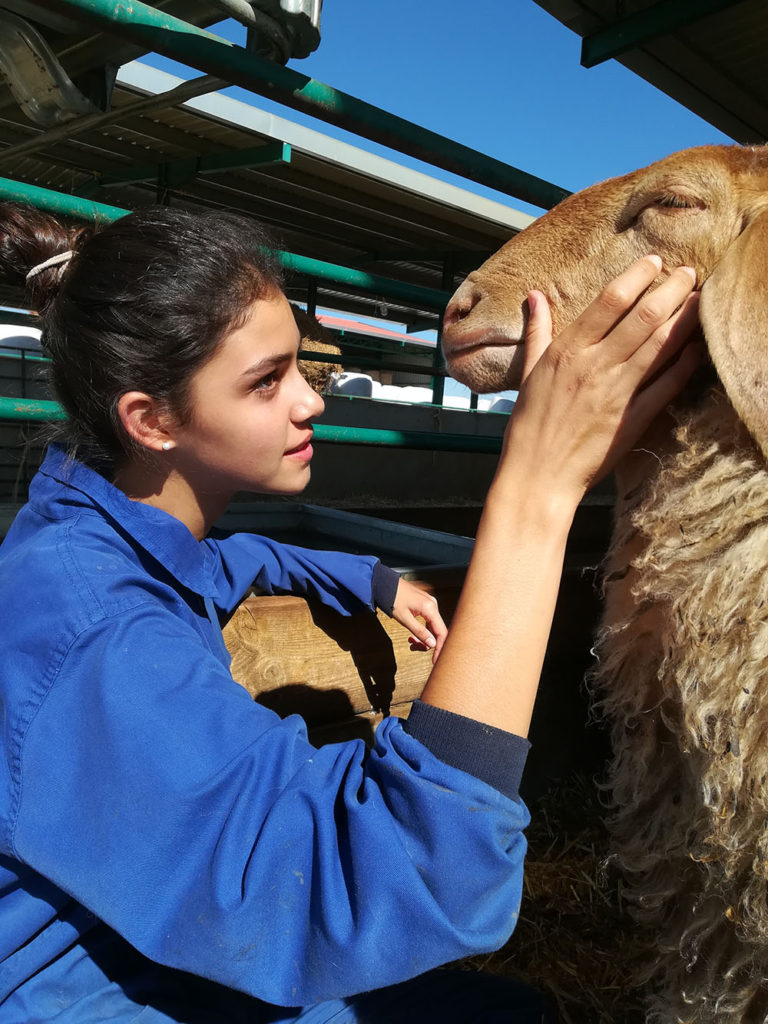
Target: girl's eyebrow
[267,363]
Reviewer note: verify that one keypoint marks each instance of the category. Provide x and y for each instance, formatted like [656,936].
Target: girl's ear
[145,421]
[734,315]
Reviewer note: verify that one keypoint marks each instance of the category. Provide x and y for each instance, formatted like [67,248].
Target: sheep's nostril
[461,305]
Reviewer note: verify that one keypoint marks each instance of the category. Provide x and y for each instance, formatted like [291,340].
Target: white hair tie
[63,257]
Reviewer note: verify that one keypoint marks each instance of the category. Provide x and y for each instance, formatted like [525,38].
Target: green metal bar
[200,49]
[438,360]
[42,412]
[429,297]
[407,439]
[369,363]
[8,352]
[420,325]
[311,297]
[644,26]
[179,172]
[74,206]
[30,412]
[58,202]
[18,318]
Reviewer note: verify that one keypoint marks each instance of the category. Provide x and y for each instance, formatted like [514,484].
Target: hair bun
[34,251]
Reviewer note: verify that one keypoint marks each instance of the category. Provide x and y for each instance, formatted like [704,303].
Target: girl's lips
[303,452]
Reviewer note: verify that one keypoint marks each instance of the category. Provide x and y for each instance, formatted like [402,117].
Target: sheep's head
[703,207]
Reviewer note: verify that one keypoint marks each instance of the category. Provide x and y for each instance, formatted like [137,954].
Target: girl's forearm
[490,667]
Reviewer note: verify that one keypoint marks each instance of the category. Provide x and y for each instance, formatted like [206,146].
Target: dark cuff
[384,587]
[492,755]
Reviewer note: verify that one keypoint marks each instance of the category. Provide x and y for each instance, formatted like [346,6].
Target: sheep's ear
[734,316]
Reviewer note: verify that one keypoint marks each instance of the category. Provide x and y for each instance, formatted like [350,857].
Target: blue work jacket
[171,850]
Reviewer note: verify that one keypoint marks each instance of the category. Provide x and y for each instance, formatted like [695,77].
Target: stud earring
[167,446]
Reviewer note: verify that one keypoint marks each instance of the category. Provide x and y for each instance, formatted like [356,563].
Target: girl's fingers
[419,631]
[662,389]
[439,629]
[613,302]
[648,320]
[429,634]
[538,335]
[668,340]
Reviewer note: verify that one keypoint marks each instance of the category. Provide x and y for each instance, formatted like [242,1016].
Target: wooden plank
[341,673]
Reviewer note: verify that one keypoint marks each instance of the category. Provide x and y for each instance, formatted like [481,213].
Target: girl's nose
[309,404]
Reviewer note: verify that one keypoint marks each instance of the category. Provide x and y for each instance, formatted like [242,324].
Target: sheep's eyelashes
[675,203]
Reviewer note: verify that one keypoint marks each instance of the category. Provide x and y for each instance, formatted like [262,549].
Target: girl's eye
[265,384]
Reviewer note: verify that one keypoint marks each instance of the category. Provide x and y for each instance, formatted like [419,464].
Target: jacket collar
[64,482]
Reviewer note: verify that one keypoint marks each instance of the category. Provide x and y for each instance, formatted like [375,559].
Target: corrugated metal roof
[712,61]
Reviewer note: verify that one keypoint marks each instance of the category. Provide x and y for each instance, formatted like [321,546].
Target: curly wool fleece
[683,682]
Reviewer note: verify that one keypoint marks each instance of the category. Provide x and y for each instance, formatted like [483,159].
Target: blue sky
[502,77]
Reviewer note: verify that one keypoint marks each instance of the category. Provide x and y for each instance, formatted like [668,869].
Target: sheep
[682,650]
[316,338]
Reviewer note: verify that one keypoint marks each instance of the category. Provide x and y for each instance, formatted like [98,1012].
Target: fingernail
[533,301]
[691,271]
[656,260]
[431,642]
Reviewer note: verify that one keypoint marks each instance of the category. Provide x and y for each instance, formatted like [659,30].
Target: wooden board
[341,673]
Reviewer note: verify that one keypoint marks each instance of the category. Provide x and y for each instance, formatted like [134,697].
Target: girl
[170,850]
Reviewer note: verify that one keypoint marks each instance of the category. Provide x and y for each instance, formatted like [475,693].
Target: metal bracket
[295,29]
[172,174]
[38,82]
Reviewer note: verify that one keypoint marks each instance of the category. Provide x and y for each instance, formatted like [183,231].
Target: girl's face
[250,428]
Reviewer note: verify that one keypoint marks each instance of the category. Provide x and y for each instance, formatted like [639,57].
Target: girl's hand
[590,393]
[412,604]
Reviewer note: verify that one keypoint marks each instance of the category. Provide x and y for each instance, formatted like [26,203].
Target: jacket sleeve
[347,583]
[215,839]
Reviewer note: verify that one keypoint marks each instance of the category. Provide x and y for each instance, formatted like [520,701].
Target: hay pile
[574,940]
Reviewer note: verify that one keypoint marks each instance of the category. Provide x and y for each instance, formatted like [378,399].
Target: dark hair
[142,305]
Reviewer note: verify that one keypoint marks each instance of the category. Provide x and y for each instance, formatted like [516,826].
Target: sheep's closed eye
[671,201]
[663,203]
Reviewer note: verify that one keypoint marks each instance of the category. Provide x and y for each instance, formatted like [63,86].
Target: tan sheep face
[687,208]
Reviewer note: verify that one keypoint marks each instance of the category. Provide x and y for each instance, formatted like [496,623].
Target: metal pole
[74,206]
[194,46]
[312,296]
[58,202]
[29,411]
[41,412]
[180,94]
[438,380]
[634,31]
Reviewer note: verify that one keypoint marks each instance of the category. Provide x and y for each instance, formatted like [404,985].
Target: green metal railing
[23,410]
[27,411]
[200,49]
[346,358]
[65,205]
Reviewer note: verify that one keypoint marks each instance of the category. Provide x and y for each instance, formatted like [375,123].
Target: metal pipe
[420,439]
[645,26]
[18,409]
[29,411]
[438,360]
[194,46]
[9,352]
[348,358]
[367,362]
[305,265]
[74,206]
[187,91]
[58,202]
